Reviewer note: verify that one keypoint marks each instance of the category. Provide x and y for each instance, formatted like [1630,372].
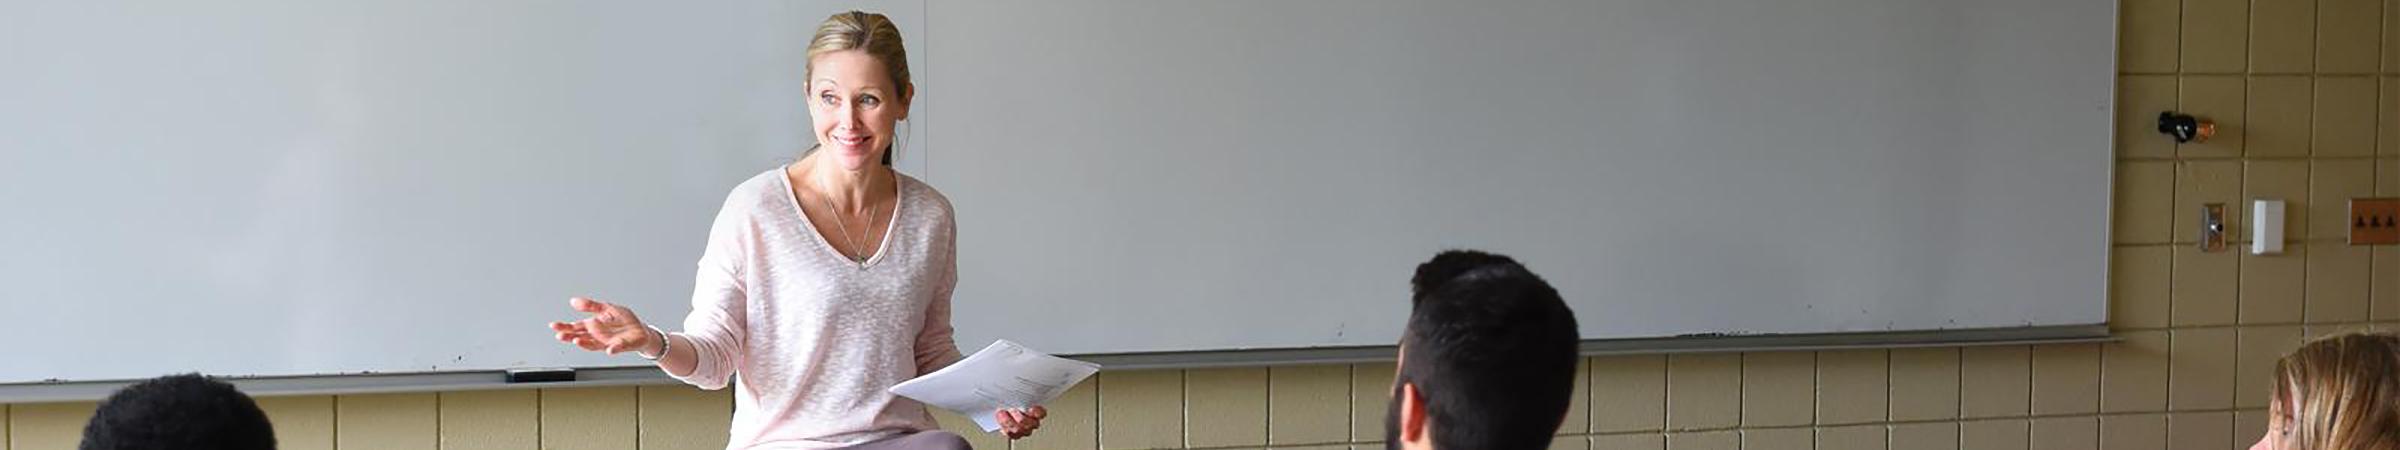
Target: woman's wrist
[654,352]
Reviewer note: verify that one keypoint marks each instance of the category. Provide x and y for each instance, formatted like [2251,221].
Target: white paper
[1003,375]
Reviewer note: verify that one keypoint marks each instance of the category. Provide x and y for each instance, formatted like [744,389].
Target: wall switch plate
[2212,227]
[2374,221]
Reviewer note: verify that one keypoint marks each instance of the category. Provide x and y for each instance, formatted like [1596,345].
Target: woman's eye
[870,100]
[827,98]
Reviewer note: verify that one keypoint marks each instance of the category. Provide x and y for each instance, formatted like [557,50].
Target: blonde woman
[825,281]
[2340,392]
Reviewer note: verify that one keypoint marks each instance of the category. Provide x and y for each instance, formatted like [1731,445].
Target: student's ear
[1412,416]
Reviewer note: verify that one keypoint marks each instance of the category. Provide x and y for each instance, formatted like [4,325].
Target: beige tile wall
[2308,93]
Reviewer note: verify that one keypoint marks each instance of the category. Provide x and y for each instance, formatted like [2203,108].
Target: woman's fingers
[590,333]
[1012,423]
[587,343]
[593,327]
[570,334]
[1020,422]
[564,330]
[1017,423]
[586,305]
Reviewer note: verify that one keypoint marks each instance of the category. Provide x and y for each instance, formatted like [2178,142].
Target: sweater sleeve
[936,348]
[716,326]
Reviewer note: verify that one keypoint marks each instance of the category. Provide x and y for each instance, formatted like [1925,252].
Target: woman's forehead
[851,69]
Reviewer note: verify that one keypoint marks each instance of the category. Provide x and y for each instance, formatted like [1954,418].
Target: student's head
[1488,360]
[858,87]
[185,412]
[2338,392]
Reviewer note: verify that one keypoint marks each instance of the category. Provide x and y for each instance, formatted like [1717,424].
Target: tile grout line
[1958,403]
[1351,399]
[1183,385]
[637,418]
[438,442]
[537,419]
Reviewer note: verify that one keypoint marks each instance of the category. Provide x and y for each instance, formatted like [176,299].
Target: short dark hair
[1491,348]
[187,412]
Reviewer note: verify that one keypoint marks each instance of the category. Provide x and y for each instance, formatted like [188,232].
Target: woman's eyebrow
[866,89]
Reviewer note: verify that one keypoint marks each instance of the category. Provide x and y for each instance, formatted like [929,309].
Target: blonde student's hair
[2341,392]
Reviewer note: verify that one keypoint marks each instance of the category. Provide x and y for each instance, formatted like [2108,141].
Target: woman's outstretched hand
[1020,422]
[611,328]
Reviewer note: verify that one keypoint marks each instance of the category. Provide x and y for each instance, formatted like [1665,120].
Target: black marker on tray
[541,375]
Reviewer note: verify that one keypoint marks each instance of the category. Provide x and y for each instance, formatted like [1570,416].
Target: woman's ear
[908,98]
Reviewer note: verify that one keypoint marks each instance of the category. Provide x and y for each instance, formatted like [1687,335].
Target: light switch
[2266,227]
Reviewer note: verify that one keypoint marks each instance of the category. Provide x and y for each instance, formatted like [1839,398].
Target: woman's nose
[848,114]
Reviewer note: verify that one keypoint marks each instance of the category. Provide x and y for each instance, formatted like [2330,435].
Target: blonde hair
[864,31]
[2342,391]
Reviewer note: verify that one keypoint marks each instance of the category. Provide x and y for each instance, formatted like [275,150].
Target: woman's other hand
[611,328]
[1020,422]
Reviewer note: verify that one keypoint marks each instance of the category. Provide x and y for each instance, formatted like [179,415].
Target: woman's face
[854,105]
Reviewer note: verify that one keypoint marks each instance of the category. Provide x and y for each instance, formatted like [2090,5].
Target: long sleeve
[936,348]
[717,324]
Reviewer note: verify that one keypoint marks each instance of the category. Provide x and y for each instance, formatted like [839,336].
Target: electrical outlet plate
[2374,221]
[2212,227]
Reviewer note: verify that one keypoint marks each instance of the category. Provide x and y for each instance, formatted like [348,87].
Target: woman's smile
[854,142]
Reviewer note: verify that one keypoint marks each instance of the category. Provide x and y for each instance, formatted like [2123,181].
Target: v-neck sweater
[810,339]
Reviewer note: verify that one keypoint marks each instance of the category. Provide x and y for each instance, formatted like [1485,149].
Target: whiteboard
[315,188]
[310,187]
[1168,176]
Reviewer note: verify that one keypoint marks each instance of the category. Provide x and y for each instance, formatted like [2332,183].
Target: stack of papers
[1001,376]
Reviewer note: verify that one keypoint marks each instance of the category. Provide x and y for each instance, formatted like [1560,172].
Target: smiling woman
[855,44]
[826,281]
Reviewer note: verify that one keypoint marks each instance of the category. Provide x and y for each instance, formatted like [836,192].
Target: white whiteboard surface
[298,188]
[1258,174]
[315,187]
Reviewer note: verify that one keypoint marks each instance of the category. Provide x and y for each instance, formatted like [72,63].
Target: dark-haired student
[1487,361]
[181,412]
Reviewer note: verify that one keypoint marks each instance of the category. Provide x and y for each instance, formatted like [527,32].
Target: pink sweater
[815,338]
